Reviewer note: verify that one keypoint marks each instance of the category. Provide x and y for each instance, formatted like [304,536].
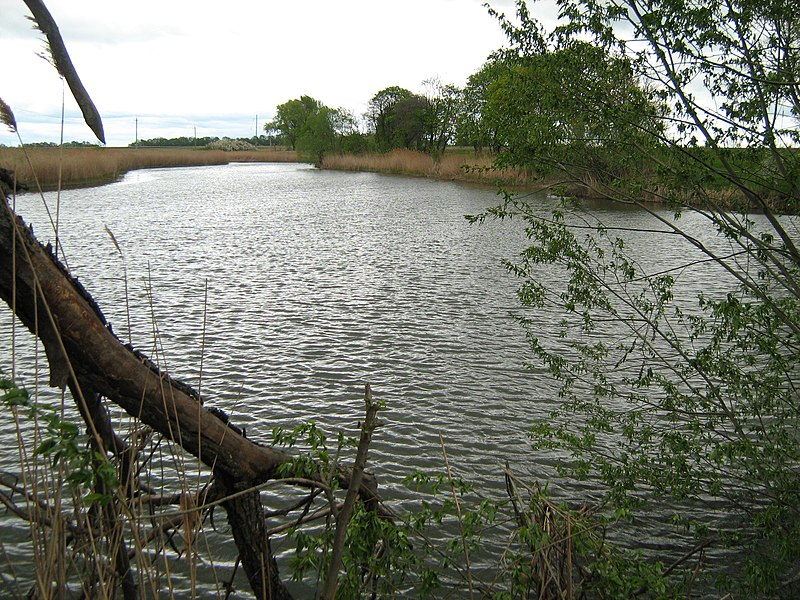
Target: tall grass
[81,167]
[148,535]
[458,165]
[146,529]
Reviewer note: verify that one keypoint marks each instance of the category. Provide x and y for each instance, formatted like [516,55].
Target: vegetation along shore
[93,165]
[668,464]
[86,166]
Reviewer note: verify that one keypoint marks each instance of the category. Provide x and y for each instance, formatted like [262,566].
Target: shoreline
[83,167]
[50,168]
[457,164]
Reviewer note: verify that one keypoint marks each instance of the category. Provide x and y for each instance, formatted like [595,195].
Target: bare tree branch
[63,63]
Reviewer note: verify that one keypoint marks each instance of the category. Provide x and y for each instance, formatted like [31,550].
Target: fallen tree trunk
[84,354]
[81,347]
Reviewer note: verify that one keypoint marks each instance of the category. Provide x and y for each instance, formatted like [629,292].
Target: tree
[474,124]
[573,105]
[382,115]
[410,123]
[317,136]
[349,137]
[314,129]
[402,119]
[290,118]
[444,105]
[698,403]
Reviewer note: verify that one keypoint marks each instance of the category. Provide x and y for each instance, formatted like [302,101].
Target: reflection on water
[318,282]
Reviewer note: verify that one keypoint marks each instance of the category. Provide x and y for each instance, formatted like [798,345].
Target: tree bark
[83,351]
[84,354]
[249,527]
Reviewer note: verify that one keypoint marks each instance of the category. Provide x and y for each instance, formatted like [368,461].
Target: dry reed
[453,166]
[82,167]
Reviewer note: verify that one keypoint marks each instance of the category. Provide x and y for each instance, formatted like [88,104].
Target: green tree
[290,118]
[402,119]
[697,405]
[382,115]
[349,138]
[410,125]
[475,126]
[314,129]
[444,103]
[576,105]
[316,136]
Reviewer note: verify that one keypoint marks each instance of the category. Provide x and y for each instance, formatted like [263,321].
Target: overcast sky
[177,65]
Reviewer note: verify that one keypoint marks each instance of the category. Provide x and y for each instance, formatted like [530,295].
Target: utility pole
[256,133]
[136,142]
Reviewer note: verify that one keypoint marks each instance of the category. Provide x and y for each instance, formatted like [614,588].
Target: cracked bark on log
[83,351]
[84,354]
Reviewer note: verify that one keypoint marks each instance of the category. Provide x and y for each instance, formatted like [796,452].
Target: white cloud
[177,58]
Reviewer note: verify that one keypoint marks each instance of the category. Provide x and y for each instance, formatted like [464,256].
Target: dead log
[83,351]
[84,354]
[249,528]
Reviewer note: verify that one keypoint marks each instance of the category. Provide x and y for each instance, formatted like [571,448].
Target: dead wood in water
[83,351]
[84,354]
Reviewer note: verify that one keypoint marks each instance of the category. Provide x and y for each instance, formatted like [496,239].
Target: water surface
[294,287]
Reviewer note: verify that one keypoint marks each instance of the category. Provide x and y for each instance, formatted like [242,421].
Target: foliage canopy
[695,406]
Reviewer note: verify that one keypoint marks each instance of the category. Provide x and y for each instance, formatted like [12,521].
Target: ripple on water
[319,282]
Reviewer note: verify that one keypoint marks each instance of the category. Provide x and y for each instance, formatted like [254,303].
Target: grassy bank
[455,165]
[83,167]
[459,164]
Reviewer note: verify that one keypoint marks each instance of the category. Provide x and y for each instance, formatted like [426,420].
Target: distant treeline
[184,141]
[55,145]
[513,107]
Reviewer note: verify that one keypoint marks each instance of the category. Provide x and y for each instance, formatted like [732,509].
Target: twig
[319,514]
[700,547]
[63,63]
[228,585]
[370,423]
[460,516]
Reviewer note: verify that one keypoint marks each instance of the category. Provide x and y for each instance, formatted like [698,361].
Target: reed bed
[457,165]
[82,167]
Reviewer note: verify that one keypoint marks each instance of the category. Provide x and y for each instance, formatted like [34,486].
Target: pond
[280,290]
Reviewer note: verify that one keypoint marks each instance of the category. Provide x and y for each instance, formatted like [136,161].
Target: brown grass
[82,167]
[455,165]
